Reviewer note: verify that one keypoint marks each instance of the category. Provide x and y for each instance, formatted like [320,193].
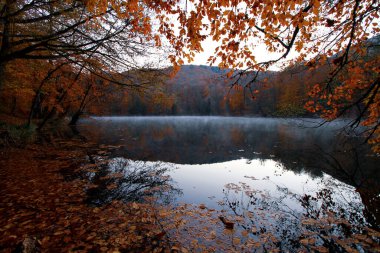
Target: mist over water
[206,154]
[211,139]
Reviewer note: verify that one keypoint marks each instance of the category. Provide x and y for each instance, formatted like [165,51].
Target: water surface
[211,160]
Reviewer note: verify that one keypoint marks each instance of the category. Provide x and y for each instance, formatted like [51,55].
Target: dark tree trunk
[14,105]
[46,118]
[2,74]
[5,40]
[37,100]
[60,100]
[79,112]
[75,118]
[35,106]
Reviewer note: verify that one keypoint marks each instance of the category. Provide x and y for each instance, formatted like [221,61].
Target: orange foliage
[320,32]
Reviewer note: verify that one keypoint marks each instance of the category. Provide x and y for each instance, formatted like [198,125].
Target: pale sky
[259,50]
[209,46]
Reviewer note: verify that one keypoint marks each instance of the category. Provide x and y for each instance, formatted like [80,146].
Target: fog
[297,143]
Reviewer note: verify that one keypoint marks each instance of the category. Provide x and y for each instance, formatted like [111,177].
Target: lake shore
[42,209]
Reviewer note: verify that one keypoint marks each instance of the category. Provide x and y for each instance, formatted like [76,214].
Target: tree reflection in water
[323,223]
[345,164]
[127,180]
[333,219]
[337,216]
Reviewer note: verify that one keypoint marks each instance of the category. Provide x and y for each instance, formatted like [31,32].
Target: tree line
[204,90]
[56,52]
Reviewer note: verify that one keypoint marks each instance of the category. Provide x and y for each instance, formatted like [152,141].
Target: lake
[241,165]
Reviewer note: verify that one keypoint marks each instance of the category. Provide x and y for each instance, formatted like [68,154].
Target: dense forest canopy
[57,56]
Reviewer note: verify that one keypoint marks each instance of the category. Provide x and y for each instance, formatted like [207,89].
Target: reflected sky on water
[207,153]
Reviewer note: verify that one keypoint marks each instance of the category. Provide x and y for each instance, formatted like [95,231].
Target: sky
[209,46]
[259,49]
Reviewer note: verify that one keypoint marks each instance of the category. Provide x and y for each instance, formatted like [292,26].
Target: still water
[212,160]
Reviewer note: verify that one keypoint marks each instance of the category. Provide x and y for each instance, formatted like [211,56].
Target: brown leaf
[228,224]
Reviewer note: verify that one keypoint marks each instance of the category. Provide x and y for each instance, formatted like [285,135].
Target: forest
[116,137]
[193,90]
[204,90]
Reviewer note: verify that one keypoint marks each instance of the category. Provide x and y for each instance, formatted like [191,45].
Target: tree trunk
[5,40]
[47,117]
[35,105]
[61,98]
[37,100]
[2,74]
[3,52]
[75,117]
[14,105]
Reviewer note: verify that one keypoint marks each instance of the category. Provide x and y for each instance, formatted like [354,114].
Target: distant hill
[198,75]
[205,90]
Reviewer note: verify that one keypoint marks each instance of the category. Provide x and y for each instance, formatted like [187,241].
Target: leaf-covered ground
[41,210]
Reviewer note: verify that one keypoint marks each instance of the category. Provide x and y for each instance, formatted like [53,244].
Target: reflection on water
[269,155]
[127,180]
[328,220]
[202,183]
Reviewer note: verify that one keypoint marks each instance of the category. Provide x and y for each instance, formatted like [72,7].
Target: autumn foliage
[61,59]
[319,33]
[102,38]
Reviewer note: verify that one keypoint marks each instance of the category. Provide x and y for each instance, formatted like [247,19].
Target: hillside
[205,90]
